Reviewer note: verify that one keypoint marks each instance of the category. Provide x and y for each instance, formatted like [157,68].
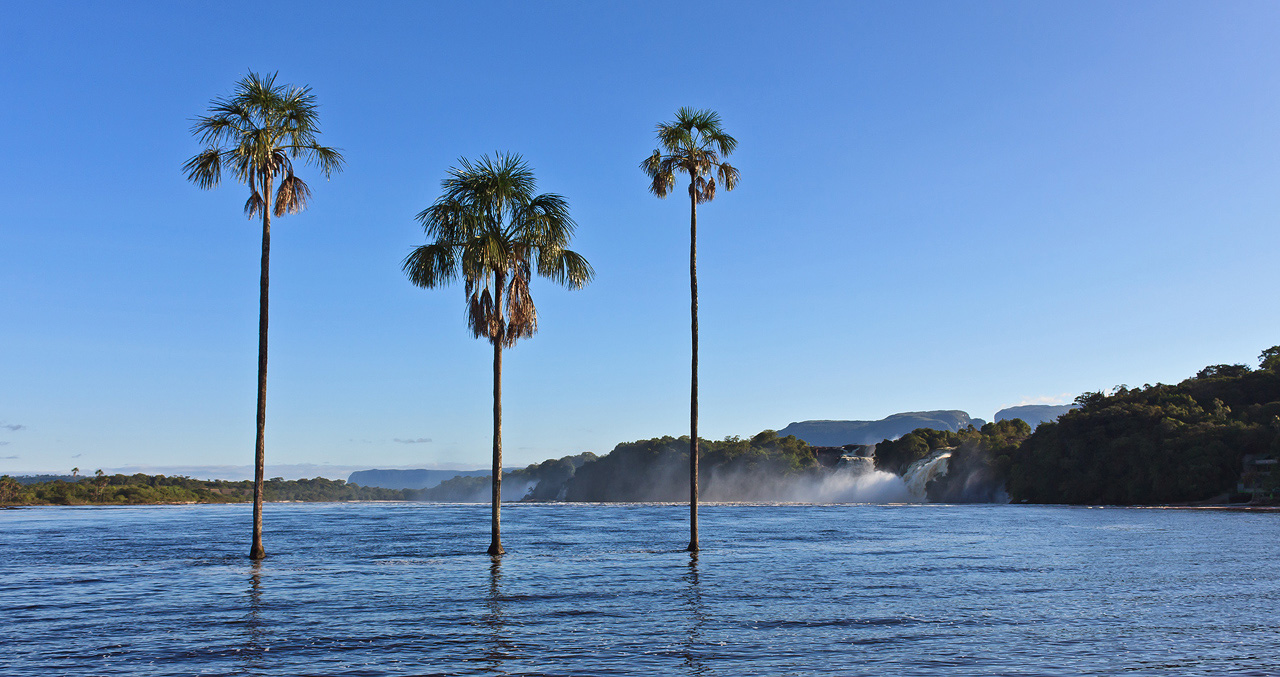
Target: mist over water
[854,480]
[852,483]
[664,477]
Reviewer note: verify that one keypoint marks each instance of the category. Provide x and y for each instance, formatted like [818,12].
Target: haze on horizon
[942,207]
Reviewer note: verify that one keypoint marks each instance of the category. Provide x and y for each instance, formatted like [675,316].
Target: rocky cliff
[839,433]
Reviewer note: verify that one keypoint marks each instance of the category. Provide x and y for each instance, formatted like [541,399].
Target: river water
[405,589]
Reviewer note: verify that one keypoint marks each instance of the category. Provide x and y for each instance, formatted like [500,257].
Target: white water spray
[919,474]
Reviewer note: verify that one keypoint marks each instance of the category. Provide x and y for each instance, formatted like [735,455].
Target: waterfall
[919,473]
[857,465]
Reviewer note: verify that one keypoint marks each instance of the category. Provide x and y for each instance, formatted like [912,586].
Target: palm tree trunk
[495,545]
[256,551]
[496,329]
[693,384]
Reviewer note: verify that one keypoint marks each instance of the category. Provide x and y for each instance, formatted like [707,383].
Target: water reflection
[694,662]
[255,642]
[498,646]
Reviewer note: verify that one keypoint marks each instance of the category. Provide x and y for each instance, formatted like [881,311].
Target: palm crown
[256,134]
[693,144]
[490,227]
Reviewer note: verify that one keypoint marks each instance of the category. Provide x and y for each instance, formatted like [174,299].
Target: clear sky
[943,206]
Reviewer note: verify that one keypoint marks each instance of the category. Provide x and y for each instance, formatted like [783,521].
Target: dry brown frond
[709,191]
[480,314]
[522,316]
[253,206]
[292,196]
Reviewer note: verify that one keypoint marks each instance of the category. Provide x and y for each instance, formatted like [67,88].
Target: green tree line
[1157,443]
[141,489]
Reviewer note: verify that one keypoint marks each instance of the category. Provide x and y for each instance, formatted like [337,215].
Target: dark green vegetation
[490,229]
[256,134]
[997,439]
[149,489]
[407,479]
[1156,444]
[694,145]
[980,459]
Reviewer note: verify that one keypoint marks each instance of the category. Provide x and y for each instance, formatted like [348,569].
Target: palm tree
[490,228]
[256,134]
[693,144]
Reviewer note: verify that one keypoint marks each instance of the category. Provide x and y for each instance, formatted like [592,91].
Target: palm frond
[522,315]
[542,221]
[205,169]
[431,265]
[253,206]
[566,268]
[222,126]
[728,175]
[723,142]
[480,315]
[706,190]
[292,196]
[675,137]
[328,160]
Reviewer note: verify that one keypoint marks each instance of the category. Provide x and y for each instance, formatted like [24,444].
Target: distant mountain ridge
[839,433]
[1035,414]
[408,479]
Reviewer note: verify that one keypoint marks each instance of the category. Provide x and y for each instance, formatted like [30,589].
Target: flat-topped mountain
[839,433]
[407,479]
[1035,414]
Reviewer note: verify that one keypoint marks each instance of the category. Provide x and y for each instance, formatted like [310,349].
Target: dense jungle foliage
[1155,444]
[143,489]
[998,440]
[979,463]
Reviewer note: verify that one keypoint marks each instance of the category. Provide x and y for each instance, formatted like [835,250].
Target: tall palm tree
[692,144]
[256,134]
[490,228]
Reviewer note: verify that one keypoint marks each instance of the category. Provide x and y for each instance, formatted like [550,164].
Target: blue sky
[943,206]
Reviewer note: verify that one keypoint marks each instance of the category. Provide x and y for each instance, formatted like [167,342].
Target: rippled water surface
[405,589]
